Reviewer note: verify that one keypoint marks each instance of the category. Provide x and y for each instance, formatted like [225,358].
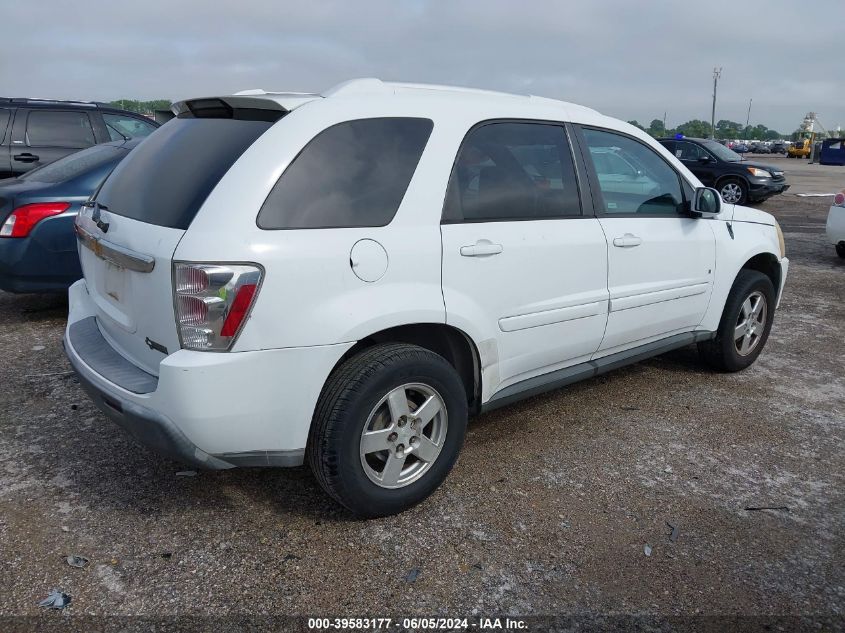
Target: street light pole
[717,72]
[748,118]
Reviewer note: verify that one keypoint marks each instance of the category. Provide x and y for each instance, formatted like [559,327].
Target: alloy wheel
[751,323]
[731,193]
[403,435]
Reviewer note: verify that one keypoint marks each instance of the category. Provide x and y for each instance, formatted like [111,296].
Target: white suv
[346,277]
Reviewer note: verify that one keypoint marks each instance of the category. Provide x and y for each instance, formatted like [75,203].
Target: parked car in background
[799,149]
[344,278]
[759,148]
[737,180]
[740,148]
[37,241]
[34,132]
[777,147]
[835,228]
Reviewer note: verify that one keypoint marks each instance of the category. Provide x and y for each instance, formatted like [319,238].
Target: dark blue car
[37,210]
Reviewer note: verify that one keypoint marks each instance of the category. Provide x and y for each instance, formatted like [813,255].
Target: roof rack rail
[36,101]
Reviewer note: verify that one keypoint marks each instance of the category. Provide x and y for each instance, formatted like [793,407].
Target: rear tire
[745,324]
[840,249]
[387,429]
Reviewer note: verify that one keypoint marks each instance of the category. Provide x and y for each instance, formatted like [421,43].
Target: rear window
[76,164]
[352,174]
[166,179]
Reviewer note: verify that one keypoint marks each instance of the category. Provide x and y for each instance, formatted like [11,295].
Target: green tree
[656,128]
[141,107]
[636,123]
[728,129]
[695,128]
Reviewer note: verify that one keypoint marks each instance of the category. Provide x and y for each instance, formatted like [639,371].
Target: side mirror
[707,202]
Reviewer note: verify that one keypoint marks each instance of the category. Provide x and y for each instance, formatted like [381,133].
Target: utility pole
[664,122]
[717,72]
[748,118]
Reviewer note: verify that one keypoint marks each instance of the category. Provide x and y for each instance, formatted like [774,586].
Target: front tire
[387,429]
[745,324]
[734,191]
[840,249]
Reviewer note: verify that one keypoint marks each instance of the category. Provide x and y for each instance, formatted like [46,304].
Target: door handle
[627,241]
[26,157]
[481,248]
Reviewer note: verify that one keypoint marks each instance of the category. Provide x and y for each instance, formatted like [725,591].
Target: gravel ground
[549,510]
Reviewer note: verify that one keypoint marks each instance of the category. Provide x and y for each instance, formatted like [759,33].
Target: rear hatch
[130,229]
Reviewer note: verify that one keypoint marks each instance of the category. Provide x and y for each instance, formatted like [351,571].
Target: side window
[46,128]
[512,171]
[633,178]
[121,126]
[352,174]
[688,151]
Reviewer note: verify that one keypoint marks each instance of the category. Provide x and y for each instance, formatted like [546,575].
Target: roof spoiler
[244,108]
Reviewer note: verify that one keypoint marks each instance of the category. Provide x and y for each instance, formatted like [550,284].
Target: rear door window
[512,171]
[49,128]
[166,179]
[352,174]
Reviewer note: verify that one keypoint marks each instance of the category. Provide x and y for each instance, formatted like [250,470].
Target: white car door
[661,258]
[524,272]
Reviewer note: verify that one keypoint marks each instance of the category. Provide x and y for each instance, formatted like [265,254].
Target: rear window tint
[76,164]
[46,128]
[352,174]
[166,179]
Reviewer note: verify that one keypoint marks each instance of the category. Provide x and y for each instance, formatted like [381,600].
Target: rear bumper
[149,427]
[44,261]
[210,410]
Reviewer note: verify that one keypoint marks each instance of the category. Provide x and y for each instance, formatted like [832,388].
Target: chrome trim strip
[114,253]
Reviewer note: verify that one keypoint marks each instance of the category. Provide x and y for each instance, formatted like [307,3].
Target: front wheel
[734,191]
[840,249]
[745,325]
[388,428]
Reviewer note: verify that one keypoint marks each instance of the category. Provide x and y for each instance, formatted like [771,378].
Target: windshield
[76,164]
[721,151]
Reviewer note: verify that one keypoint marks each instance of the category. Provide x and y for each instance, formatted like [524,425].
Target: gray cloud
[630,59]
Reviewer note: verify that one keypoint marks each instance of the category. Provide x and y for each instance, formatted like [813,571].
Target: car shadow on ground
[34,307]
[102,466]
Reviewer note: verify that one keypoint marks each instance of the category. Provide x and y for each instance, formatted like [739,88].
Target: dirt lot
[547,512]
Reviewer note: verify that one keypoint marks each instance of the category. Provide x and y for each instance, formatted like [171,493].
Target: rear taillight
[212,302]
[21,220]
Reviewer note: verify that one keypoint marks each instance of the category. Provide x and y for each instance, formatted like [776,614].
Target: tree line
[701,129]
[141,107]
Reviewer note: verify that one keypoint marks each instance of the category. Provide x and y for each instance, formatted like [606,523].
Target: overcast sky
[633,59]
